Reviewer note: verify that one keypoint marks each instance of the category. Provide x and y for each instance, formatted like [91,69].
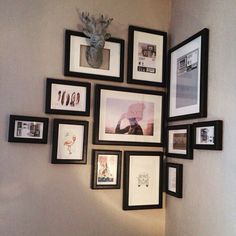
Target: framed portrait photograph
[188,73]
[125,116]
[146,56]
[112,68]
[106,169]
[28,129]
[67,97]
[179,141]
[70,141]
[208,135]
[174,179]
[142,180]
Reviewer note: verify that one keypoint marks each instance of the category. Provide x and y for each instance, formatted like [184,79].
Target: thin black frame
[56,124]
[95,154]
[204,34]
[130,77]
[48,108]
[14,118]
[218,135]
[127,155]
[67,72]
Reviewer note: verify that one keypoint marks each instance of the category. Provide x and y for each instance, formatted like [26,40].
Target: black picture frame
[149,68]
[28,129]
[114,70]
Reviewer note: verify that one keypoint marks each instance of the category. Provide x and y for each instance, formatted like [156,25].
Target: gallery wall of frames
[129,116]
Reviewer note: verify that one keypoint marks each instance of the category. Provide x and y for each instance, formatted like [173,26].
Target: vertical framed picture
[106,169]
[174,179]
[70,139]
[146,56]
[28,129]
[179,141]
[208,135]
[188,72]
[142,180]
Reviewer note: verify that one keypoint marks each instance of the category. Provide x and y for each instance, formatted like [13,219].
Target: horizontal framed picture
[174,179]
[125,116]
[28,129]
[188,73]
[70,140]
[208,135]
[142,180]
[146,56]
[67,97]
[106,169]
[76,63]
[179,141]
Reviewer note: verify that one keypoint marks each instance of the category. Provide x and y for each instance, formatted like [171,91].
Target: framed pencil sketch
[146,56]
[125,116]
[67,97]
[106,169]
[28,129]
[208,135]
[179,141]
[142,180]
[70,139]
[187,83]
[76,64]
[174,179]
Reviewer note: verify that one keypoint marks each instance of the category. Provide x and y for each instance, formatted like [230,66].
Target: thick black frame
[130,78]
[48,109]
[67,72]
[218,135]
[204,34]
[11,130]
[97,98]
[56,124]
[95,153]
[127,155]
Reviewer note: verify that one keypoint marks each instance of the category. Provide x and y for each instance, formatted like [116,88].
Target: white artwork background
[172,179]
[210,135]
[171,140]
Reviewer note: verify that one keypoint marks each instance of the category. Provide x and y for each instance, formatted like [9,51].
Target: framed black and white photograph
[70,140]
[142,180]
[28,129]
[174,179]
[188,72]
[106,169]
[179,141]
[146,56]
[125,116]
[67,97]
[208,135]
[76,64]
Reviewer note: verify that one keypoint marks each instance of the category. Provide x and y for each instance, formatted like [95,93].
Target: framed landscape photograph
[28,129]
[146,56]
[188,72]
[67,97]
[208,135]
[106,169]
[125,116]
[142,180]
[179,141]
[70,140]
[112,68]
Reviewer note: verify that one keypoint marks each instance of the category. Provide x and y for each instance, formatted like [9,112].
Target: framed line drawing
[125,116]
[142,180]
[28,129]
[146,56]
[70,140]
[106,169]
[67,97]
[76,64]
[188,72]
